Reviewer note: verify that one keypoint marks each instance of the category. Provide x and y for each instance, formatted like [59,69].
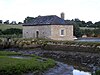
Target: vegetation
[17,66]
[85,28]
[77,31]
[28,19]
[97,72]
[12,31]
[8,26]
[32,43]
[82,23]
[7,30]
[8,53]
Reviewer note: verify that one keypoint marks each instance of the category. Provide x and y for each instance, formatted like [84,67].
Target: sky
[18,10]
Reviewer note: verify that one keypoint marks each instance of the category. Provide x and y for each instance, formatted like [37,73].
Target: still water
[77,72]
[89,39]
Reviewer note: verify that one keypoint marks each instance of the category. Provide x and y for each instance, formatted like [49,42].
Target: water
[78,72]
[89,39]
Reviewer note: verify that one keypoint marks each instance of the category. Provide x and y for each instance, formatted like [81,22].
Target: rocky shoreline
[85,59]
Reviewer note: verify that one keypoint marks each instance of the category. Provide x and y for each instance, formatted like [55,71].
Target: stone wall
[68,32]
[49,31]
[30,31]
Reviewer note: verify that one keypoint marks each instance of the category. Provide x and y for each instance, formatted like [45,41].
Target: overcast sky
[87,10]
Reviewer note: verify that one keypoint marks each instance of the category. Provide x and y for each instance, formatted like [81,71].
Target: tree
[89,24]
[79,22]
[6,22]
[83,24]
[20,23]
[97,32]
[1,21]
[77,30]
[88,32]
[97,24]
[28,19]
[13,22]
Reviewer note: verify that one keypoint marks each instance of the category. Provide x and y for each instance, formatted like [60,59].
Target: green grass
[8,53]
[7,26]
[15,66]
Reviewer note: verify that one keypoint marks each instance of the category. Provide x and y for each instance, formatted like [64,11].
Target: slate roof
[47,20]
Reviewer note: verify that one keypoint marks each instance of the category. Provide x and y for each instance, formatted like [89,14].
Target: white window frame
[63,32]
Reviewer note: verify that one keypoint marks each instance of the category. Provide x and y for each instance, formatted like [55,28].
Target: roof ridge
[48,19]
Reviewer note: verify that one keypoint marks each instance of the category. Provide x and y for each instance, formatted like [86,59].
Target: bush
[12,31]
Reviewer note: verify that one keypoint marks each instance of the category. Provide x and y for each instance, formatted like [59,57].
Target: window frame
[62,32]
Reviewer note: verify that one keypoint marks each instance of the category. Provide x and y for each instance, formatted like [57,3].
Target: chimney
[62,15]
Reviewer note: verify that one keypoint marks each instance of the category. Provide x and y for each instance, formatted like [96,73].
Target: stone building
[50,27]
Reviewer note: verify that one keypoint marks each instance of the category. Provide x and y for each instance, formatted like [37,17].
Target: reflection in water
[77,72]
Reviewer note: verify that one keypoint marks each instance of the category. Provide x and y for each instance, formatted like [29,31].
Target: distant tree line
[7,22]
[86,24]
[88,32]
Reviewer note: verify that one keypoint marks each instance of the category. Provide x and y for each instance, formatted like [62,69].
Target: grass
[8,53]
[8,26]
[15,66]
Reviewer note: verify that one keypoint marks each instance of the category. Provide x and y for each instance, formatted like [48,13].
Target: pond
[89,39]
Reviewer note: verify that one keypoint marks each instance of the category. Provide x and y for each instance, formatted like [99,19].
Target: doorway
[37,34]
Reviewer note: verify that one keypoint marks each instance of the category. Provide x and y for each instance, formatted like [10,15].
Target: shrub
[12,31]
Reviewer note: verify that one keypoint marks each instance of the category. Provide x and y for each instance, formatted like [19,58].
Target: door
[37,34]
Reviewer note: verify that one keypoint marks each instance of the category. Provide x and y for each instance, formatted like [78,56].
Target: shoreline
[87,61]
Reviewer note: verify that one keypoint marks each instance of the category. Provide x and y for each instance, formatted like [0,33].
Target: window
[62,32]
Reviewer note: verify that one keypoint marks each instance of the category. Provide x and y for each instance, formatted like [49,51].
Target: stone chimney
[62,15]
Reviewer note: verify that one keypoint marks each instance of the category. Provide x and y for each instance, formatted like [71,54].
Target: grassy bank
[8,26]
[16,66]
[51,45]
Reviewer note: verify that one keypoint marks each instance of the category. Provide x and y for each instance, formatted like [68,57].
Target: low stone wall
[71,48]
[51,45]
